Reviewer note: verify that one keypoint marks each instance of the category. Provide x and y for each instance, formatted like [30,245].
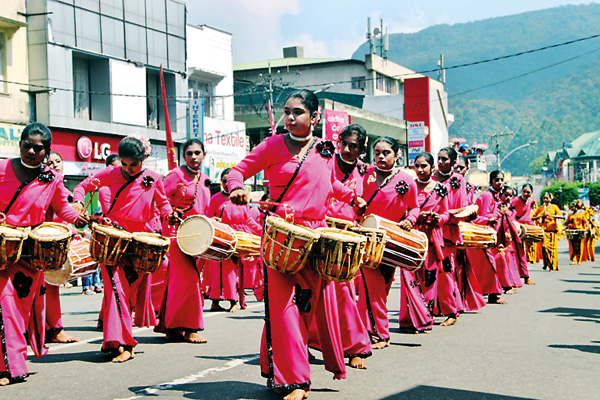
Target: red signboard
[84,147]
[335,121]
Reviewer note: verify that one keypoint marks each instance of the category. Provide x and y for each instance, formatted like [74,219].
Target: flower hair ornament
[145,142]
[441,190]
[326,148]
[147,181]
[46,176]
[402,187]
[317,117]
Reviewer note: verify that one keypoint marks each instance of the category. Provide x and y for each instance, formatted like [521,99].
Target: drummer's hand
[77,207]
[82,220]
[172,218]
[406,224]
[218,219]
[423,215]
[435,218]
[239,197]
[493,221]
[359,205]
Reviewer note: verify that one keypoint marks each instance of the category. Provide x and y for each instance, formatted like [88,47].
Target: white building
[99,60]
[14,76]
[210,78]
[375,85]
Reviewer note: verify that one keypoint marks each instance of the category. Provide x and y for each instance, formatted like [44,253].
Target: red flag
[271,118]
[171,155]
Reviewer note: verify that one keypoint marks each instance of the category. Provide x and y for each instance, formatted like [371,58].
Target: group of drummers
[322,250]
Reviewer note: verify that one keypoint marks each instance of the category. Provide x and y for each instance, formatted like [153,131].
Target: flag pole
[171,155]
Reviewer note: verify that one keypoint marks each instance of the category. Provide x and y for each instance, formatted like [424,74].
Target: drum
[108,243]
[477,236]
[531,233]
[337,254]
[147,251]
[11,245]
[465,211]
[376,239]
[575,234]
[404,249]
[48,246]
[286,246]
[248,245]
[207,238]
[339,223]
[79,264]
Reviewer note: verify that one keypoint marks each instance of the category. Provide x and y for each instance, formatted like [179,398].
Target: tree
[536,165]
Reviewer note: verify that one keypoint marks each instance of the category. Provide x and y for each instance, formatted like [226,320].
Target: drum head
[370,221]
[59,276]
[195,235]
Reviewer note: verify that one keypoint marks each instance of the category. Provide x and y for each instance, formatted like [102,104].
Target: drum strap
[18,192]
[120,190]
[388,180]
[295,172]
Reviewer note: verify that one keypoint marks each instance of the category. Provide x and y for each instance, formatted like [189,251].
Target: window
[358,82]
[213,106]
[2,61]
[386,84]
[152,90]
[81,88]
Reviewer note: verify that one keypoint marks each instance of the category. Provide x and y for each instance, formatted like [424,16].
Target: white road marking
[152,390]
[134,331]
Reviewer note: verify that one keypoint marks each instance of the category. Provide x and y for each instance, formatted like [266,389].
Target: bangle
[237,188]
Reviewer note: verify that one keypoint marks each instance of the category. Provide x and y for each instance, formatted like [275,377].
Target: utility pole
[441,74]
[497,136]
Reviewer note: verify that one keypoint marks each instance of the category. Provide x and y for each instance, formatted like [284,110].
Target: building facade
[14,76]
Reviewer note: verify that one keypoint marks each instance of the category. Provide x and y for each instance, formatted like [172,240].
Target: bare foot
[449,321]
[496,299]
[380,345]
[4,381]
[194,337]
[572,263]
[233,307]
[216,307]
[297,394]
[358,363]
[528,281]
[126,354]
[63,337]
[174,336]
[510,291]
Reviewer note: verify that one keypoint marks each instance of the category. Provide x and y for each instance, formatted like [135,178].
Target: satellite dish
[490,159]
[376,31]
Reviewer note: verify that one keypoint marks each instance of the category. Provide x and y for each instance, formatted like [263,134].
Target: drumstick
[88,203]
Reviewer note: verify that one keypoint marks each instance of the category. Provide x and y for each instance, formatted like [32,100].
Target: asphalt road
[544,344]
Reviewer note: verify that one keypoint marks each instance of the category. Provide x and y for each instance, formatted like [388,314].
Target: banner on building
[226,145]
[196,119]
[416,140]
[584,196]
[10,135]
[335,122]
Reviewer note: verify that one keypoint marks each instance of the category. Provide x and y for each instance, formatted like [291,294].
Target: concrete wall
[14,102]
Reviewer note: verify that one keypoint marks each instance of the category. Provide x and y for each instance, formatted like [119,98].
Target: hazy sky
[335,28]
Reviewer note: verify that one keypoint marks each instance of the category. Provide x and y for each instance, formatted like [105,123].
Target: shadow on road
[580,314]
[594,292]
[579,281]
[95,357]
[221,390]
[442,393]
[234,357]
[581,347]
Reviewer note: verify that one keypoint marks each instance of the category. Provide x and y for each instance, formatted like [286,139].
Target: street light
[513,150]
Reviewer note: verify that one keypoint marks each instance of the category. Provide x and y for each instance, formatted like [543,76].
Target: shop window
[154,104]
[91,97]
[213,106]
[386,84]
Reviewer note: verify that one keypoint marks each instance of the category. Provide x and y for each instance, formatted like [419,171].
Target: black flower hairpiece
[46,176]
[147,181]
[441,190]
[469,186]
[362,169]
[454,182]
[402,187]
[207,183]
[326,148]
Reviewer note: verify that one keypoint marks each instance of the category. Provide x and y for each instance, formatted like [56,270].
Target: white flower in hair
[145,142]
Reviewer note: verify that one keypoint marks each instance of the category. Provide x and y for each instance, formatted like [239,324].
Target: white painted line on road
[134,331]
[152,390]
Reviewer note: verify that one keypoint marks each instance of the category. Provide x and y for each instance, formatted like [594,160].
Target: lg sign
[86,148]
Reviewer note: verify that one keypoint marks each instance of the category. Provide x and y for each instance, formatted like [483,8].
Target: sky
[336,28]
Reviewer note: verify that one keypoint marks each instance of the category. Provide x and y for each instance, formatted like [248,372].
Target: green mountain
[551,95]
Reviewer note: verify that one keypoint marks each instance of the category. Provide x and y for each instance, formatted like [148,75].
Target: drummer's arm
[62,208]
[443,214]
[91,184]
[413,205]
[162,203]
[256,161]
[485,203]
